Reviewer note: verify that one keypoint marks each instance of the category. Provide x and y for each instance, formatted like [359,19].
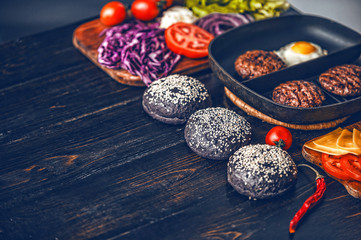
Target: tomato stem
[161,5]
[280,143]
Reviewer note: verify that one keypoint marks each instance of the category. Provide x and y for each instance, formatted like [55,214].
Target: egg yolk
[303,47]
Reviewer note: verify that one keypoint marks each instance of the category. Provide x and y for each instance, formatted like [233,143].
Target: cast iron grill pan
[343,46]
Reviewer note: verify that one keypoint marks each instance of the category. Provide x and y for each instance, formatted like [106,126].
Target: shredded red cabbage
[218,23]
[139,48]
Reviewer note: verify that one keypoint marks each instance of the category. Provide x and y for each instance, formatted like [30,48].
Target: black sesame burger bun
[216,133]
[174,98]
[261,171]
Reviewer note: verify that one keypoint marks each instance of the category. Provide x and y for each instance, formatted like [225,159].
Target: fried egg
[298,52]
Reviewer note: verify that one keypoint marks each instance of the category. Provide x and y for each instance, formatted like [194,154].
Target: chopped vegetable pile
[177,14]
[218,23]
[259,9]
[139,48]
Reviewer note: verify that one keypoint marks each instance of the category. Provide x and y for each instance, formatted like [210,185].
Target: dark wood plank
[38,55]
[80,159]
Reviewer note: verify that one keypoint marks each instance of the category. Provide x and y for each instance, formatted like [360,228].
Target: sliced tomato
[188,40]
[332,165]
[352,166]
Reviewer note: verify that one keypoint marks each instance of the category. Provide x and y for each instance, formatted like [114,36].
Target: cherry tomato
[113,13]
[352,166]
[145,10]
[279,136]
[332,165]
[188,40]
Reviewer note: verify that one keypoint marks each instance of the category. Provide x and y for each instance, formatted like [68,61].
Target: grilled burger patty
[256,63]
[298,93]
[344,80]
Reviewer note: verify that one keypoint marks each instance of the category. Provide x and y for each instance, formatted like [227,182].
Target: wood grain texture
[314,157]
[87,39]
[80,159]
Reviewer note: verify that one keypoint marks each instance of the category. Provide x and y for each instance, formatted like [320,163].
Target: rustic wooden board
[314,157]
[87,39]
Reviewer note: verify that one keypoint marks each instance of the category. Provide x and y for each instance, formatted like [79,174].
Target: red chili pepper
[311,201]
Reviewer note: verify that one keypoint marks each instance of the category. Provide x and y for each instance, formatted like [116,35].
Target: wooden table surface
[80,159]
